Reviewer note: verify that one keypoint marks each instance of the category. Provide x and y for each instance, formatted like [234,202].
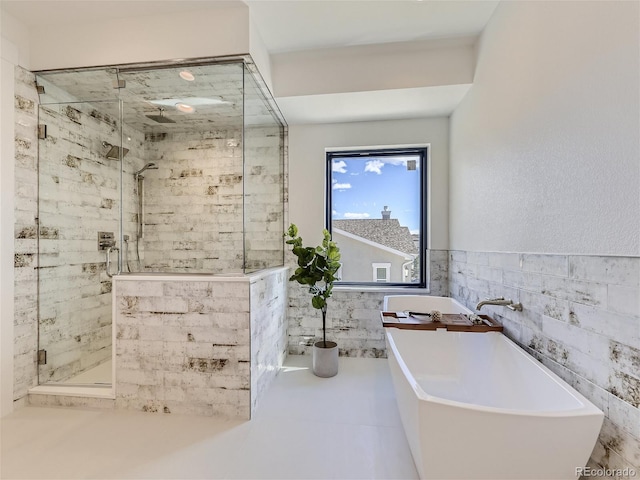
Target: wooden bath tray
[451,322]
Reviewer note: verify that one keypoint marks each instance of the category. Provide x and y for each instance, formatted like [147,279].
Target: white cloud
[374,166]
[379,162]
[341,186]
[339,166]
[356,215]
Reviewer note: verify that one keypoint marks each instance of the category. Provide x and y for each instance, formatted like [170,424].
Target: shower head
[148,166]
[160,118]
[114,151]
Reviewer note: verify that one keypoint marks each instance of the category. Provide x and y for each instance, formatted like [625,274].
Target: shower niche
[182,163]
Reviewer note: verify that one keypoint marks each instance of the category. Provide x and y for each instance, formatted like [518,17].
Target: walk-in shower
[158,174]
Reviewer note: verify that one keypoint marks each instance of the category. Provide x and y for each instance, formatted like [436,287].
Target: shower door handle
[108,267]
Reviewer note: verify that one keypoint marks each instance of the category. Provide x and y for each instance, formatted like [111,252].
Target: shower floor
[100,375]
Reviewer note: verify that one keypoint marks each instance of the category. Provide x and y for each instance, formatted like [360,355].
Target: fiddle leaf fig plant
[317,269]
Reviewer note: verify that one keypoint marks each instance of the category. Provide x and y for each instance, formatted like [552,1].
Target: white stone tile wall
[581,319]
[183,347]
[197,200]
[199,347]
[70,401]
[263,197]
[268,304]
[193,203]
[353,317]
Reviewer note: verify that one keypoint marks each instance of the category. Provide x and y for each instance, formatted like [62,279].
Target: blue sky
[363,186]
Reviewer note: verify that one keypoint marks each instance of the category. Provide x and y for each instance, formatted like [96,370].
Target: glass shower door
[79,182]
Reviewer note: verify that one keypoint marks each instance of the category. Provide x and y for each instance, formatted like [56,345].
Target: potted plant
[317,269]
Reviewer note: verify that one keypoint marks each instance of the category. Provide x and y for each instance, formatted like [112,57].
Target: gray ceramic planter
[325,359]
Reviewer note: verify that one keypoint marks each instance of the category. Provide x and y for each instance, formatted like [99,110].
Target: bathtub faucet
[500,301]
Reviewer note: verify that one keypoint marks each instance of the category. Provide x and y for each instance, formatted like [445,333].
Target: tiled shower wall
[263,196]
[353,316]
[193,202]
[581,318]
[201,199]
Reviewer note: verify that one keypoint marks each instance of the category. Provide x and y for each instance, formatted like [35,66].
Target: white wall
[260,54]
[307,161]
[191,34]
[545,147]
[9,57]
[14,50]
[374,67]
[16,36]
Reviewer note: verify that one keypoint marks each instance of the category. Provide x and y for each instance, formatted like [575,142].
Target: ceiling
[295,25]
[287,26]
[290,25]
[35,13]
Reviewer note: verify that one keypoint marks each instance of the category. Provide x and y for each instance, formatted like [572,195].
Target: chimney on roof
[386,213]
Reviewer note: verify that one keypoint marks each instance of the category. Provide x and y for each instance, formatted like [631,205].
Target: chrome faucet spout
[500,301]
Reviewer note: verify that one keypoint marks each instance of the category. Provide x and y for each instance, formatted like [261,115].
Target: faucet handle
[516,307]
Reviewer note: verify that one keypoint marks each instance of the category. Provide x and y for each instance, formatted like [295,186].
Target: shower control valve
[106,240]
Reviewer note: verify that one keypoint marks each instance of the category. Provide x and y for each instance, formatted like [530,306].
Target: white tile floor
[345,427]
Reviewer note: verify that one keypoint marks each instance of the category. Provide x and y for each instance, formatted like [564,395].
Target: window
[381,272]
[376,213]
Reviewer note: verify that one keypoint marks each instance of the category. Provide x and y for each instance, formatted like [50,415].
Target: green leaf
[293,230]
[318,302]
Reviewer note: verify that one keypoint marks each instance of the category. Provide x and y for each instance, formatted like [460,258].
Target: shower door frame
[61,386]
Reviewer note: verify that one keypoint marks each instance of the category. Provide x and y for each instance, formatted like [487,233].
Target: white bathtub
[476,406]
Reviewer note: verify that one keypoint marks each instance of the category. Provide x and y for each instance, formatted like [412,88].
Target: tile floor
[345,427]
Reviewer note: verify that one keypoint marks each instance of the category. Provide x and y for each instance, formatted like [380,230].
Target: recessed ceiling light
[183,107]
[187,75]
[193,101]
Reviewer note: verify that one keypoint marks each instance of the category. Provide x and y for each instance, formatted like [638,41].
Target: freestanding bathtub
[477,406]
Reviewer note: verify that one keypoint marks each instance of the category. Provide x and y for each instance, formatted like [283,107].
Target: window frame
[422,152]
